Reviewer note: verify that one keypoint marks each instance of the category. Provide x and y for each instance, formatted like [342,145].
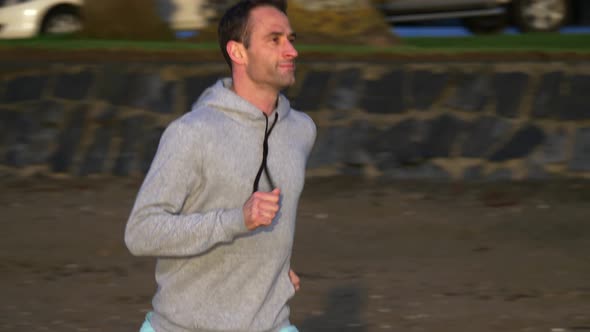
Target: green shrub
[124,19]
[361,25]
[357,23]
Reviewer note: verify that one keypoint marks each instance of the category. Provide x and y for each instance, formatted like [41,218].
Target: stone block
[30,133]
[426,171]
[149,92]
[472,93]
[502,174]
[400,145]
[105,116]
[39,149]
[509,89]
[16,155]
[345,94]
[69,140]
[137,89]
[537,172]
[344,145]
[50,113]
[151,142]
[11,136]
[443,133]
[113,83]
[8,119]
[128,156]
[521,144]
[482,134]
[580,161]
[426,87]
[167,100]
[554,149]
[313,91]
[24,88]
[577,101]
[385,95]
[97,153]
[473,173]
[547,99]
[74,86]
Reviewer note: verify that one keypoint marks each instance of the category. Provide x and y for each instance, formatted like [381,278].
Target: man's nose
[290,51]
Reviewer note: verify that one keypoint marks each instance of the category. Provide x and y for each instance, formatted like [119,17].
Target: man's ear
[236,51]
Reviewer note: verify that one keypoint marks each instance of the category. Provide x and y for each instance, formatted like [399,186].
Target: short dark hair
[234,23]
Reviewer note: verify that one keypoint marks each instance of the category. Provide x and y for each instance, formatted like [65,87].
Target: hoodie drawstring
[263,166]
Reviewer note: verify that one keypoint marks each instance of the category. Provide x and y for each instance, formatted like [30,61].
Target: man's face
[271,55]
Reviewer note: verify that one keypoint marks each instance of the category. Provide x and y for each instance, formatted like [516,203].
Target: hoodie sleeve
[311,133]
[156,226]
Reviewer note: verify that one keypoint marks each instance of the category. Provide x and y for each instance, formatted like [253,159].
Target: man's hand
[261,208]
[294,279]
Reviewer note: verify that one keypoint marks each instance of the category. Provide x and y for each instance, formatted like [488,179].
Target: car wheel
[486,24]
[61,21]
[541,15]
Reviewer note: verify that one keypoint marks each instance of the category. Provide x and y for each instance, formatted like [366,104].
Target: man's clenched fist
[261,208]
[294,279]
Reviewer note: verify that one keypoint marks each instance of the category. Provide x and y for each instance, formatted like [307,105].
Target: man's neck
[264,99]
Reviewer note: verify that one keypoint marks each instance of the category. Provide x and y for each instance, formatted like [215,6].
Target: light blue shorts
[147,326]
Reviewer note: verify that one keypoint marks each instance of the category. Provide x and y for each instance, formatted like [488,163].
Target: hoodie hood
[220,97]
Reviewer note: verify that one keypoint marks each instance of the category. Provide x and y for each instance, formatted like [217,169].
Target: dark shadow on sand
[344,301]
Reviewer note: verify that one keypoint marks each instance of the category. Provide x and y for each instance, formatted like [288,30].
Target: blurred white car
[184,14]
[485,15]
[28,18]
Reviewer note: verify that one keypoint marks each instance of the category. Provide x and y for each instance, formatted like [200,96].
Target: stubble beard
[285,79]
[274,77]
[288,81]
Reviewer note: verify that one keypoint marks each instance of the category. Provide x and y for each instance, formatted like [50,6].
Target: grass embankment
[526,44]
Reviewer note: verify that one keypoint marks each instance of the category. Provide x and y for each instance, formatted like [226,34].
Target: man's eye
[275,40]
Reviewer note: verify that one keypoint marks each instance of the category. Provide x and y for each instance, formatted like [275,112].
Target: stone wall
[424,120]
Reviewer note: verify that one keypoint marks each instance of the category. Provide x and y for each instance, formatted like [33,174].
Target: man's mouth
[288,65]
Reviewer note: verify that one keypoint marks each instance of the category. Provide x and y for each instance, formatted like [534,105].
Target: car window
[416,5]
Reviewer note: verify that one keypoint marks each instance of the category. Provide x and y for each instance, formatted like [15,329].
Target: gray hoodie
[212,273]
